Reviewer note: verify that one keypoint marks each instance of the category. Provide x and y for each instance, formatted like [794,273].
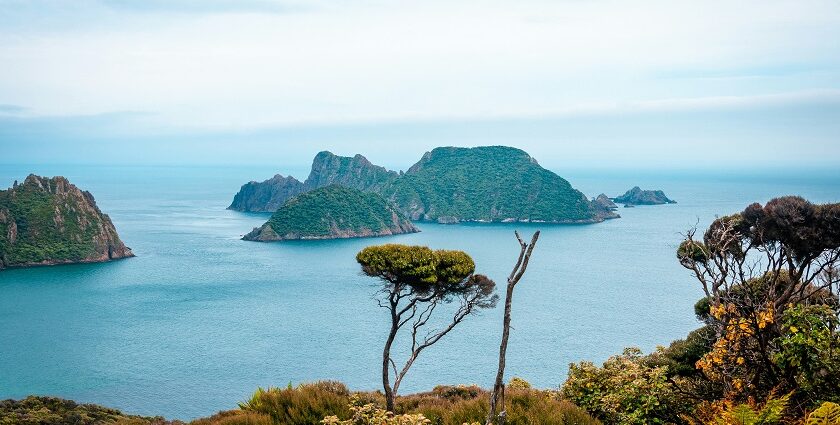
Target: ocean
[200,319]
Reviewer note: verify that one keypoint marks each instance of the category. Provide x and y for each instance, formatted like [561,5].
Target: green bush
[627,389]
[448,405]
[307,404]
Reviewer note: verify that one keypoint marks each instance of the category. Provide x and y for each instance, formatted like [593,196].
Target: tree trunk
[499,387]
[497,397]
[386,359]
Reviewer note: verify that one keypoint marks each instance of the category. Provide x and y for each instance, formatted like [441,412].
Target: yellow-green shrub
[307,404]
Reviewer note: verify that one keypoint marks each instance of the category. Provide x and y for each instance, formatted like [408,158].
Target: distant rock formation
[637,196]
[46,221]
[327,168]
[268,195]
[605,202]
[448,185]
[333,212]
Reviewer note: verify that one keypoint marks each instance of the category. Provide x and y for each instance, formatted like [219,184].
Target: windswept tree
[415,281]
[770,279]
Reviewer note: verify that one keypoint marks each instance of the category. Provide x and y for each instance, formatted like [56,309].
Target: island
[333,212]
[637,196]
[47,221]
[447,185]
[605,202]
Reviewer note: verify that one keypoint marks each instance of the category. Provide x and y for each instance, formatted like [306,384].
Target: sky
[578,84]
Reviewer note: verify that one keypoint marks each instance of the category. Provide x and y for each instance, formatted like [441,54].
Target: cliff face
[448,185]
[47,221]
[354,172]
[333,212]
[637,196]
[327,169]
[266,196]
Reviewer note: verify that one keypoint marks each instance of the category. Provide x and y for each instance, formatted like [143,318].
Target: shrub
[467,404]
[369,414]
[305,405]
[627,389]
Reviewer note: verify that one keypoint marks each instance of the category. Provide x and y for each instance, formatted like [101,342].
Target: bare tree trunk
[497,397]
[386,360]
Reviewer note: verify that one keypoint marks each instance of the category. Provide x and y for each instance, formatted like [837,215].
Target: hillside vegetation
[333,212]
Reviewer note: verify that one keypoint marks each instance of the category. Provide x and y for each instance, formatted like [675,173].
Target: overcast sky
[576,83]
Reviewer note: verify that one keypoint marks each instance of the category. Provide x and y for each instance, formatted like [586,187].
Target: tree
[415,281]
[497,397]
[753,267]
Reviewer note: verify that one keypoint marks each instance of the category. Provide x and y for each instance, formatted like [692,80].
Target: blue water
[199,318]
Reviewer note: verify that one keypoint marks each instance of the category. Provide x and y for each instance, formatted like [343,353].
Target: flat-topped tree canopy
[417,266]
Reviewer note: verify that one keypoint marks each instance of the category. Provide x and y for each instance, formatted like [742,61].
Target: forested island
[447,185]
[333,212]
[48,221]
[637,196]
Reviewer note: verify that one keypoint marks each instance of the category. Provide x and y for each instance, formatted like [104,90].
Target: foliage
[627,389]
[827,414]
[448,405]
[751,414]
[55,411]
[324,211]
[235,417]
[808,350]
[307,404]
[417,266]
[369,414]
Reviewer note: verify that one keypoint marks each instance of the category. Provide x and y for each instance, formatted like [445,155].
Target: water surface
[199,318]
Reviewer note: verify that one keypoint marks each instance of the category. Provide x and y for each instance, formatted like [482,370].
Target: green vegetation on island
[46,221]
[448,185]
[333,212]
[490,183]
[637,196]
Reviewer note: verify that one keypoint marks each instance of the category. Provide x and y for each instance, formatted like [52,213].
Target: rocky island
[604,202]
[447,185]
[47,221]
[333,212]
[637,196]
[327,168]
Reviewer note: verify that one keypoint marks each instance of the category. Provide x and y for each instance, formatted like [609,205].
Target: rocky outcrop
[604,202]
[333,212]
[637,196]
[354,172]
[267,195]
[47,221]
[327,169]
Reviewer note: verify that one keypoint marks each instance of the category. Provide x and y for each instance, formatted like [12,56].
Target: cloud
[206,6]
